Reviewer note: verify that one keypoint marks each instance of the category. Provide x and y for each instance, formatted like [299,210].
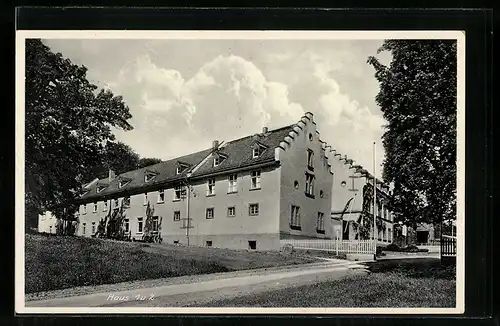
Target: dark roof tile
[239,152]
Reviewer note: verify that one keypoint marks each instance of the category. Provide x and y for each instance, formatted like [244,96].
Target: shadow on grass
[415,268]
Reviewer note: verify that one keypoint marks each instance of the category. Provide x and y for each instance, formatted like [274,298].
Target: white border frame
[248,35]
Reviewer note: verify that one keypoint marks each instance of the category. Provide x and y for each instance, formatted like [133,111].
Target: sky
[183,94]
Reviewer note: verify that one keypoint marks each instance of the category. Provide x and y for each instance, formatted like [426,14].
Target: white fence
[337,246]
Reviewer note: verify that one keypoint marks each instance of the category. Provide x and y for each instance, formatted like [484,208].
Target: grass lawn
[59,262]
[402,284]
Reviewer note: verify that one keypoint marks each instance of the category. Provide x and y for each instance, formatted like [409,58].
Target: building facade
[243,194]
[47,223]
[349,182]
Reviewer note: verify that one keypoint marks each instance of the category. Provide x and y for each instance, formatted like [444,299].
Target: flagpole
[375,235]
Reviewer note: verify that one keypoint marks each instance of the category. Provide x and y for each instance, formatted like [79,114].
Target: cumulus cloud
[230,97]
[345,124]
[182,95]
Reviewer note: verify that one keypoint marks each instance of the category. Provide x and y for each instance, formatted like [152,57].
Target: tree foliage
[116,156]
[418,100]
[68,122]
[147,161]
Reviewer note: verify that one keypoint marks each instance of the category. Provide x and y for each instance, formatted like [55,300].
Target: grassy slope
[56,262]
[403,283]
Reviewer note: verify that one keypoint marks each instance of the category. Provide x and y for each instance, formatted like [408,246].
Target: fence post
[337,246]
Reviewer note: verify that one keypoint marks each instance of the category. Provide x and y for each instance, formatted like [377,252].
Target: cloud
[349,127]
[227,98]
[230,97]
[183,94]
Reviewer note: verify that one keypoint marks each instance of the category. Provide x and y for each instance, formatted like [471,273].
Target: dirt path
[209,287]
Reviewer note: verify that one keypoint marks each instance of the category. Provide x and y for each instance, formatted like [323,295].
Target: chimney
[215,144]
[111,175]
[264,130]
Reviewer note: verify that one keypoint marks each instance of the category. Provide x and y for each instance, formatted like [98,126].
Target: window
[320,223]
[105,208]
[231,211]
[296,184]
[84,228]
[256,152]
[310,159]
[295,218]
[310,185]
[255,181]
[115,203]
[145,198]
[95,208]
[148,177]
[126,201]
[233,183]
[100,188]
[208,243]
[50,229]
[122,183]
[321,193]
[343,184]
[252,244]
[177,215]
[139,225]
[84,207]
[178,170]
[127,225]
[216,161]
[156,224]
[93,227]
[211,187]
[310,137]
[253,209]
[177,192]
[209,213]
[161,196]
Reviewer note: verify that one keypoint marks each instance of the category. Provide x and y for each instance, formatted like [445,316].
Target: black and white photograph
[240,171]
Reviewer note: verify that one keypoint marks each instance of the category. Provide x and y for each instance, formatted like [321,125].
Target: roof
[167,172]
[235,154]
[240,152]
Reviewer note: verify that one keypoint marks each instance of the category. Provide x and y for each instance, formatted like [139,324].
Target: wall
[47,223]
[294,165]
[341,195]
[235,231]
[221,230]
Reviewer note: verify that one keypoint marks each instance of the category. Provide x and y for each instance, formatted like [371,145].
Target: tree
[147,161]
[67,124]
[116,156]
[418,99]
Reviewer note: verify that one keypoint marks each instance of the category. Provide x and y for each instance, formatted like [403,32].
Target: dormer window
[100,188]
[149,175]
[218,158]
[257,150]
[122,182]
[181,166]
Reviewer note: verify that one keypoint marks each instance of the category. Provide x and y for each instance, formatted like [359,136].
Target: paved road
[226,286]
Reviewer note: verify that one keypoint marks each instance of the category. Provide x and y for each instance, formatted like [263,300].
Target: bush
[411,248]
[392,247]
